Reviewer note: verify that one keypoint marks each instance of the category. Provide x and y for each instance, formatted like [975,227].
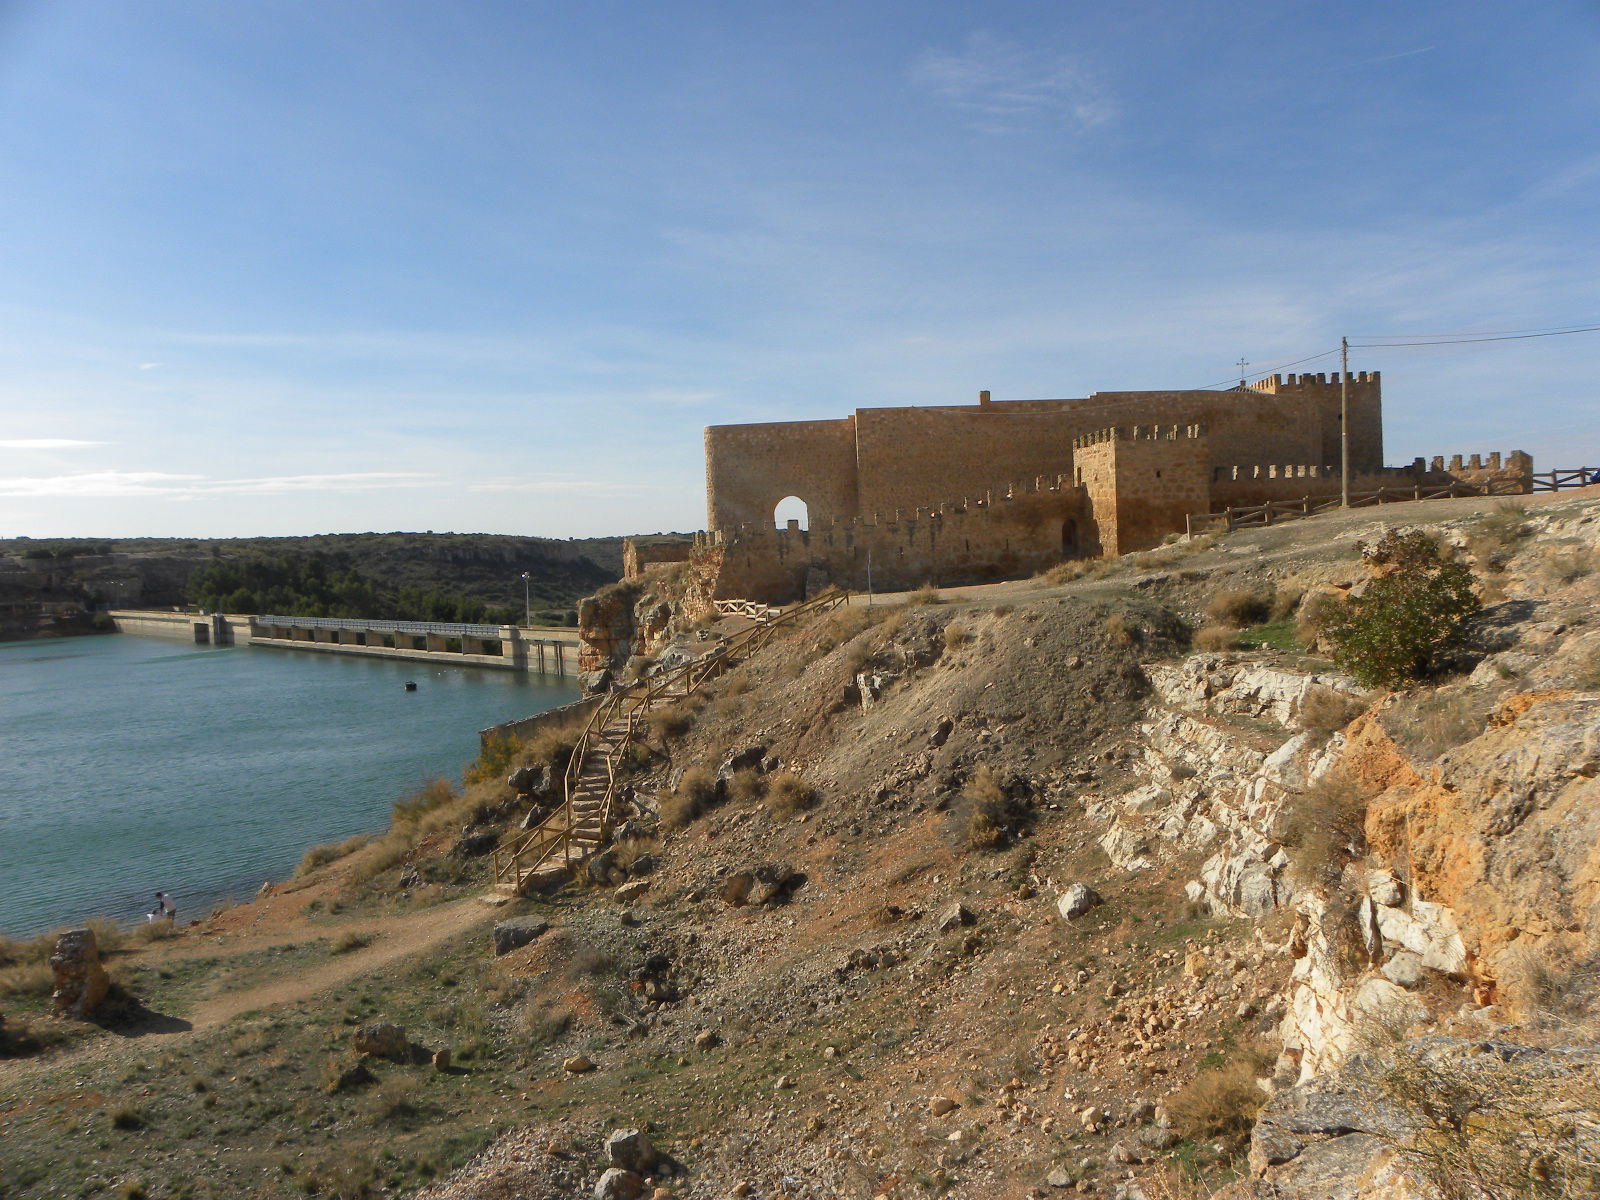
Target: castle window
[791,508]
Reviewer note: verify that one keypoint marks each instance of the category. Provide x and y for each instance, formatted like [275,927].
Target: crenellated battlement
[1274,384]
[1139,433]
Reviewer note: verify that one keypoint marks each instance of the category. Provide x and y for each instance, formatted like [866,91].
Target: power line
[1260,370]
[1461,341]
[1570,327]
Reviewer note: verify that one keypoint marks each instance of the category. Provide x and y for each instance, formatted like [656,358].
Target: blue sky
[284,267]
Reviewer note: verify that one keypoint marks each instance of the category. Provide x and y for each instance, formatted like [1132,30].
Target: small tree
[1413,612]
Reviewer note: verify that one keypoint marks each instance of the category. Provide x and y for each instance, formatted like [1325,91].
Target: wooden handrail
[541,843]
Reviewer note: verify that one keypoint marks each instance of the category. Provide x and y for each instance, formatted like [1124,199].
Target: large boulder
[517,932]
[81,983]
[765,883]
[475,841]
[383,1040]
[619,1184]
[1077,900]
[631,1150]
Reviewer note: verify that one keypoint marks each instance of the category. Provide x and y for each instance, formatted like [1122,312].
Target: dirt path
[397,938]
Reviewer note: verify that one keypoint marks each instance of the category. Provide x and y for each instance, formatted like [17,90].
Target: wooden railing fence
[614,724]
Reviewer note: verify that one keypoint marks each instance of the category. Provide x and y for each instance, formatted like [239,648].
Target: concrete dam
[543,651]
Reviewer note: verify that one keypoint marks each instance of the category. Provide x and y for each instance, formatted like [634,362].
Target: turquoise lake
[133,765]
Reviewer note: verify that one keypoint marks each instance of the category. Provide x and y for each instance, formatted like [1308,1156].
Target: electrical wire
[1461,341]
[1444,339]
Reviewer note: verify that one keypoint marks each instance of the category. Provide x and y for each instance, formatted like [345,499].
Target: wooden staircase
[583,823]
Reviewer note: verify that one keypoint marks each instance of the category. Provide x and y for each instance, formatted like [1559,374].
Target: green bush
[1409,616]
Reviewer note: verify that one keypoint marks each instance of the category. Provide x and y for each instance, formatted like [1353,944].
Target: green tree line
[312,585]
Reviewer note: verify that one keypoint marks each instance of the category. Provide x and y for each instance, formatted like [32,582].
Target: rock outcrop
[80,982]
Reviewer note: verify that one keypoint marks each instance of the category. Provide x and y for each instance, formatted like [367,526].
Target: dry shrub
[1562,565]
[669,721]
[27,979]
[1586,667]
[435,794]
[1545,993]
[1200,543]
[1324,828]
[108,935]
[152,931]
[1495,536]
[1152,560]
[1487,1121]
[394,1097]
[321,856]
[542,1022]
[1284,602]
[746,786]
[350,940]
[20,1037]
[842,625]
[1238,607]
[788,794]
[388,852]
[27,950]
[955,636]
[1219,1103]
[629,850]
[1316,612]
[1118,631]
[696,792]
[1325,711]
[1215,638]
[499,751]
[1431,723]
[552,745]
[926,594]
[993,816]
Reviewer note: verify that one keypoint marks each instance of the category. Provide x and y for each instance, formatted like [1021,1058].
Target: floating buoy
[411,685]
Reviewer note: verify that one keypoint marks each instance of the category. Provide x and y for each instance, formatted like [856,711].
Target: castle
[896,497]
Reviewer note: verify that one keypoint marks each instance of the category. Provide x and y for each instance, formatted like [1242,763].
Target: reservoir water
[133,765]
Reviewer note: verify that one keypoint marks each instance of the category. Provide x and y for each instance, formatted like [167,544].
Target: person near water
[166,909]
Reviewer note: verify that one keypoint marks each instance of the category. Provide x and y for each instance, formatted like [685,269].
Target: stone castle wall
[1141,482]
[880,460]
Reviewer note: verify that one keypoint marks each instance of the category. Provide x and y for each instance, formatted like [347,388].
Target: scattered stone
[956,915]
[631,1150]
[742,1188]
[1078,899]
[618,1184]
[1384,888]
[577,1064]
[761,884]
[80,981]
[941,1105]
[1059,1178]
[441,1059]
[707,1039]
[383,1040]
[517,932]
[645,864]
[748,759]
[662,1193]
[629,892]
[1245,1011]
[631,917]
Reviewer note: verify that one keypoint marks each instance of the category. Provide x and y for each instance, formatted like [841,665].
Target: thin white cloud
[150,366]
[585,486]
[45,443]
[159,484]
[1002,86]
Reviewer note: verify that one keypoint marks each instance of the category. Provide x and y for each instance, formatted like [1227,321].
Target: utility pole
[527,604]
[1344,422]
[869,578]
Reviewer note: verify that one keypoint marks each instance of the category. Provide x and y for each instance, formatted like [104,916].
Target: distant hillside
[482,567]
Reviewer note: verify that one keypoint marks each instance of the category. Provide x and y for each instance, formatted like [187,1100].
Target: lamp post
[527,604]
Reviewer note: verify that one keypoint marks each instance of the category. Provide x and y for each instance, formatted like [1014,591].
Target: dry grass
[669,721]
[1080,568]
[321,856]
[788,794]
[1546,993]
[1324,828]
[1118,631]
[695,793]
[1238,607]
[844,624]
[1480,1124]
[1324,711]
[993,817]
[926,594]
[747,786]
[1495,536]
[350,940]
[1316,612]
[1563,565]
[27,979]
[1430,723]
[1284,602]
[955,636]
[1219,1103]
[435,794]
[1214,638]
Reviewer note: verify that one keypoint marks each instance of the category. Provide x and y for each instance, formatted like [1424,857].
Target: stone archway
[1069,539]
[792,508]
